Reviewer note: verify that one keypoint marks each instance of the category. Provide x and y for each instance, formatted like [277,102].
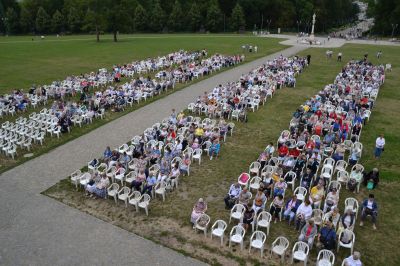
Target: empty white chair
[75,177]
[237,212]
[134,198]
[300,192]
[112,191]
[218,229]
[341,165]
[202,223]
[325,258]
[120,176]
[257,240]
[144,203]
[300,252]
[123,194]
[255,183]
[197,155]
[84,179]
[279,247]
[160,189]
[349,245]
[342,176]
[263,220]
[237,235]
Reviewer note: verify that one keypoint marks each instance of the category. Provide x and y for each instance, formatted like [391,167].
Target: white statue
[312,28]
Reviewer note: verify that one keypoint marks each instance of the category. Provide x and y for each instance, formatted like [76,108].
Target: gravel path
[37,230]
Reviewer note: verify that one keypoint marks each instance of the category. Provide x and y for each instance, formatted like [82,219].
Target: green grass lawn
[24,62]
[168,222]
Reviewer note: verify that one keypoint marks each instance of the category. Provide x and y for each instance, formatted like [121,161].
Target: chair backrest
[220,224]
[259,235]
[238,230]
[317,214]
[126,190]
[301,246]
[264,216]
[255,165]
[328,255]
[282,242]
[341,163]
[335,184]
[349,233]
[114,186]
[300,190]
[244,177]
[145,198]
[292,174]
[329,161]
[351,202]
[238,208]
[135,195]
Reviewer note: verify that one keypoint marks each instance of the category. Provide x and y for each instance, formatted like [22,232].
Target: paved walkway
[37,230]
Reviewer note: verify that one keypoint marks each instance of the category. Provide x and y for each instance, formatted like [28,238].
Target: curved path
[37,230]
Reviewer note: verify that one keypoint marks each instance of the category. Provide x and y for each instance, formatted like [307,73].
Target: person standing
[380,146]
[339,57]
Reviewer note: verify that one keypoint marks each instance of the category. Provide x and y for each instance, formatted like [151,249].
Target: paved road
[36,230]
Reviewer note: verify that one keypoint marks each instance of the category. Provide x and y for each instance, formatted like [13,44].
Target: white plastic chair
[237,235]
[325,258]
[160,189]
[342,176]
[120,176]
[75,178]
[300,252]
[279,247]
[353,204]
[349,245]
[203,228]
[84,179]
[144,203]
[294,177]
[341,165]
[123,194]
[300,192]
[255,183]
[197,155]
[112,191]
[134,198]
[257,240]
[254,168]
[237,212]
[263,220]
[244,179]
[218,229]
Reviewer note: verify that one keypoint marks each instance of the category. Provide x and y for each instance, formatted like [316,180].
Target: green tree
[95,19]
[214,16]
[117,17]
[11,21]
[42,21]
[176,17]
[194,17]
[74,19]
[57,22]
[238,22]
[157,17]
[140,18]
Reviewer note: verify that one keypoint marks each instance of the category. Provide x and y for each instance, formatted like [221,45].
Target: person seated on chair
[357,175]
[175,172]
[140,178]
[332,199]
[214,148]
[327,236]
[248,216]
[151,181]
[291,208]
[276,207]
[185,164]
[259,201]
[283,151]
[333,216]
[244,196]
[266,185]
[306,179]
[369,207]
[303,213]
[353,260]
[280,187]
[199,208]
[317,194]
[98,186]
[347,221]
[232,196]
[371,179]
[107,154]
[308,232]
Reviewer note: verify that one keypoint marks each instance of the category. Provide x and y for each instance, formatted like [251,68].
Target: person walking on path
[379,146]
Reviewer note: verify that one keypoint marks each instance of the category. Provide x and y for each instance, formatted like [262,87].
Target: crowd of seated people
[312,153]
[251,90]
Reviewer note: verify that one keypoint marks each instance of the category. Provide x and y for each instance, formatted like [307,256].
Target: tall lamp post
[394,26]
[268,22]
[298,27]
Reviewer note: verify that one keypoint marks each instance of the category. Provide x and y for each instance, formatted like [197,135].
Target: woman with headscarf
[199,208]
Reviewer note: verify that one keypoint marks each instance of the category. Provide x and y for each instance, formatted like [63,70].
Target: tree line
[387,16]
[129,16]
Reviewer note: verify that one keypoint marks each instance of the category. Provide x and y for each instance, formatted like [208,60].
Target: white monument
[312,36]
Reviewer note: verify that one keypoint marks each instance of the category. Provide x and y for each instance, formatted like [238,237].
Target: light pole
[268,22]
[394,26]
[298,27]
